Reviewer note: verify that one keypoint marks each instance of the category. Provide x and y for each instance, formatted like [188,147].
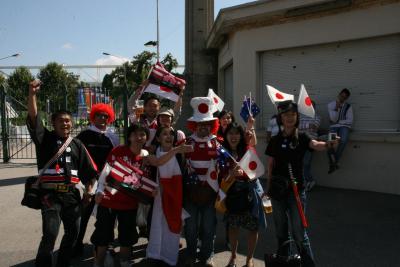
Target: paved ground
[347,228]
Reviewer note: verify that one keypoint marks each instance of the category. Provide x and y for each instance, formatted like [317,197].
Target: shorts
[106,218]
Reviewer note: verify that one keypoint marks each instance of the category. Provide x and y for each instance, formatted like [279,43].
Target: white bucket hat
[202,109]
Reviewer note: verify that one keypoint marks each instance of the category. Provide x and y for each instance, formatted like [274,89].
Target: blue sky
[78,31]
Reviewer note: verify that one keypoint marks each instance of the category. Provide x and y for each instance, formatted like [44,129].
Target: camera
[332,136]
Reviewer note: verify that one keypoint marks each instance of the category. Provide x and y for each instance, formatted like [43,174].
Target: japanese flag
[162,91]
[278,96]
[251,164]
[212,177]
[304,104]
[218,103]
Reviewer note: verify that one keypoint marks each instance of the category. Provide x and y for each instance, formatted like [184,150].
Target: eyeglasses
[102,116]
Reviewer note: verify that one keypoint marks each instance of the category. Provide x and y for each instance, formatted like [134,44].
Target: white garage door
[369,68]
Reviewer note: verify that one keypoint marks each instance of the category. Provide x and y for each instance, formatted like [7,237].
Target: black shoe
[78,250]
[332,168]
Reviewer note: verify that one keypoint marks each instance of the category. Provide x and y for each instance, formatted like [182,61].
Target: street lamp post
[14,55]
[156,43]
[124,99]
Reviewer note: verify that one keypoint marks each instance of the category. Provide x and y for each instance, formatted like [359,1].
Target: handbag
[276,260]
[33,195]
[239,199]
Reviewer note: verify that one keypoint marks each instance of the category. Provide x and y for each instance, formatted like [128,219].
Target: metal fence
[16,143]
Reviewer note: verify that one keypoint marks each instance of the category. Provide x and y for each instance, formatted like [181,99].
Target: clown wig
[192,125]
[102,108]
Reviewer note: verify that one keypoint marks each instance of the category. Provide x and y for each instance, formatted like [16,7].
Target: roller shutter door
[369,68]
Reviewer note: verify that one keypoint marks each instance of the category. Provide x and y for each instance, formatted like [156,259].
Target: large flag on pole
[163,83]
[304,103]
[218,104]
[278,96]
[251,164]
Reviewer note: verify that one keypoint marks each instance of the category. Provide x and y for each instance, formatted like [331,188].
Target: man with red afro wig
[99,140]
[201,185]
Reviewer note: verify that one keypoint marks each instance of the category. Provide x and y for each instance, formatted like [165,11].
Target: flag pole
[250,105]
[158,37]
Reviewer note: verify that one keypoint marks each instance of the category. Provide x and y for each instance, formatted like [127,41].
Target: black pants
[86,213]
[52,215]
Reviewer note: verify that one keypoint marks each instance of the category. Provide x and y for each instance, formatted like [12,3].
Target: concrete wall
[370,162]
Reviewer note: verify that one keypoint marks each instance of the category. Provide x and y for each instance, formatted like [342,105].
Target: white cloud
[111,60]
[66,46]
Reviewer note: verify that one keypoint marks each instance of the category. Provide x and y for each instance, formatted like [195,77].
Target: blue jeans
[200,216]
[51,219]
[343,133]
[284,211]
[307,166]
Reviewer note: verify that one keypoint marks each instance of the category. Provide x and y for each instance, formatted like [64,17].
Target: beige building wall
[370,161]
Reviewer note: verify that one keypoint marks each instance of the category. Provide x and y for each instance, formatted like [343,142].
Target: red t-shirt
[119,200]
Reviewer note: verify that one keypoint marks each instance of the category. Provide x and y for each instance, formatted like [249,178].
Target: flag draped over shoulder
[163,83]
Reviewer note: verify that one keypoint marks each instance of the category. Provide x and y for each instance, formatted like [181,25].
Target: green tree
[135,71]
[18,84]
[2,79]
[59,87]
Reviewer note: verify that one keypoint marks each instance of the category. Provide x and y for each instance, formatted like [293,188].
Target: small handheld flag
[249,107]
[218,104]
[251,164]
[278,96]
[305,104]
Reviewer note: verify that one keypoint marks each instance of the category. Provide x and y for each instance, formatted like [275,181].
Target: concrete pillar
[200,64]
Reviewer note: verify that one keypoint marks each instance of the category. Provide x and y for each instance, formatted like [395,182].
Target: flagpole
[250,105]
[158,37]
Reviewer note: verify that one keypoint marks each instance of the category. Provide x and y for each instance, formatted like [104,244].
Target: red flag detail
[308,101]
[279,96]
[253,165]
[165,89]
[203,108]
[213,175]
[215,100]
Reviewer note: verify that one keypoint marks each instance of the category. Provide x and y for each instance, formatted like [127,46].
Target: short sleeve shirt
[286,150]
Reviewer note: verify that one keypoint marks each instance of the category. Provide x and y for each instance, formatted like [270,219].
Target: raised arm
[178,105]
[34,87]
[251,137]
[322,146]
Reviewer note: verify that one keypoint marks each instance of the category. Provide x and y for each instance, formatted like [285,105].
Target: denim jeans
[285,211]
[343,133]
[51,219]
[200,216]
[307,166]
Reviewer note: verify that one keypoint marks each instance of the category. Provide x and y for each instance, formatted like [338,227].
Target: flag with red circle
[212,176]
[278,96]
[251,164]
[304,103]
[218,104]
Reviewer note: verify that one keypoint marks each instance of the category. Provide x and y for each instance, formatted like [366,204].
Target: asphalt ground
[347,228]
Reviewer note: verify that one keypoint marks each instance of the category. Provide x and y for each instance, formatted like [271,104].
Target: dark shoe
[332,168]
[78,250]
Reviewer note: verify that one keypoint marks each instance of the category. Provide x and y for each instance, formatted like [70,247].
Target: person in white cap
[201,184]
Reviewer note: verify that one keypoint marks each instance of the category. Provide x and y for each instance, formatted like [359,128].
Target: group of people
[188,173]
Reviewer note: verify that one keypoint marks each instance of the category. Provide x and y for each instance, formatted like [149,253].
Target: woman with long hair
[243,198]
[225,118]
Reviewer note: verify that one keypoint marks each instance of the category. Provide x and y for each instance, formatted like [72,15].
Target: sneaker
[310,185]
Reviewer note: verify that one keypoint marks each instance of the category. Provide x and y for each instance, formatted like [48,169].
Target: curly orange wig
[102,108]
[191,125]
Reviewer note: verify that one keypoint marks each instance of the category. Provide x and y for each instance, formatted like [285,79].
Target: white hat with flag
[251,164]
[304,103]
[202,109]
[218,103]
[278,96]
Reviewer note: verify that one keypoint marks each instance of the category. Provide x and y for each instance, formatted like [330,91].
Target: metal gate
[16,143]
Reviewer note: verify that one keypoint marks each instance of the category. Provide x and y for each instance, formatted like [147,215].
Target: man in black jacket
[99,140]
[61,199]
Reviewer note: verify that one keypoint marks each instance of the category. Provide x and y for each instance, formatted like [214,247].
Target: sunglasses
[102,116]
